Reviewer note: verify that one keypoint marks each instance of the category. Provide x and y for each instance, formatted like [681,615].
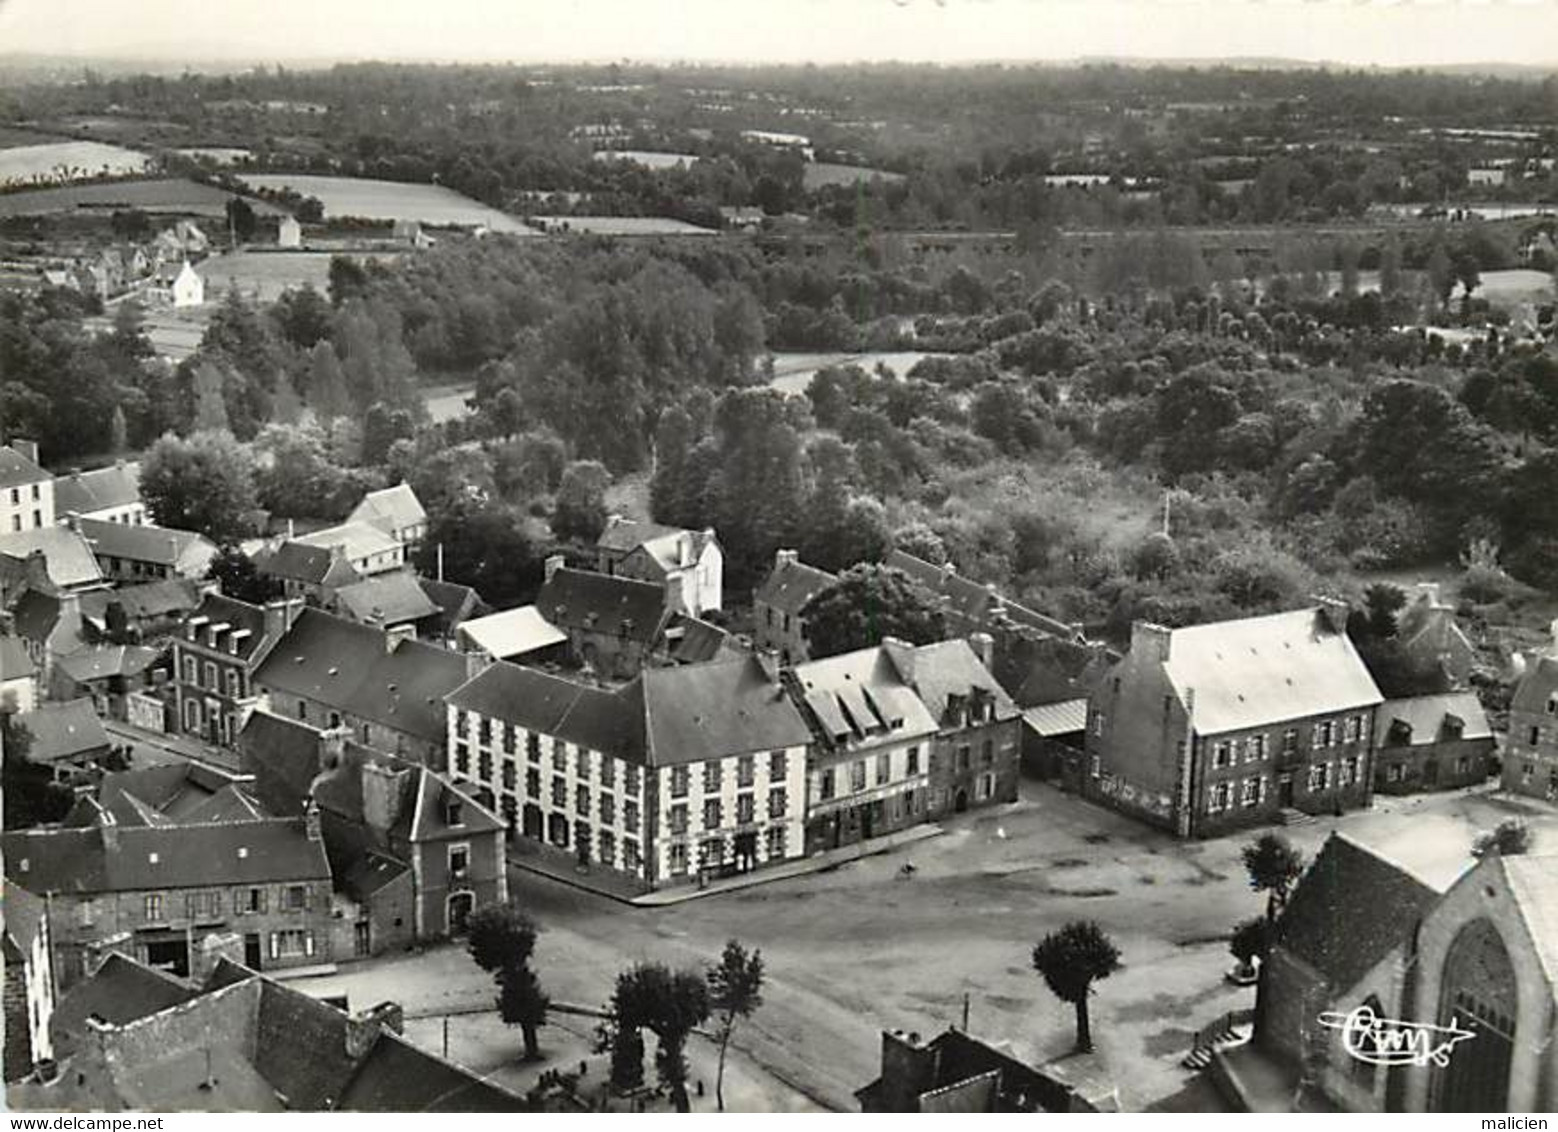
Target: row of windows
[16,495]
[1396,772]
[584,760]
[746,810]
[713,774]
[712,851]
[860,772]
[599,846]
[1254,748]
[16,520]
[208,904]
[135,568]
[213,680]
[1231,793]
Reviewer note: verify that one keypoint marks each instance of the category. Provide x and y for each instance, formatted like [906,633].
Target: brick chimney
[312,826]
[783,558]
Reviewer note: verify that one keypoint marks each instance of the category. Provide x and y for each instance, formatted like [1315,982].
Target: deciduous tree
[1070,961]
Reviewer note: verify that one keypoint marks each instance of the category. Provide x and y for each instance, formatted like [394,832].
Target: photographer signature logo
[1388,1041]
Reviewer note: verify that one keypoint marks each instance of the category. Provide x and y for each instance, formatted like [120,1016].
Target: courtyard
[865,946]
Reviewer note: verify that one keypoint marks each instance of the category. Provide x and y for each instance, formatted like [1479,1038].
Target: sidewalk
[563,868]
[190,750]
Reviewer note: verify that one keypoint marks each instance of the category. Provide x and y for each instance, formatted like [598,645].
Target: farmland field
[186,198]
[649,158]
[11,137]
[267,274]
[58,162]
[389,200]
[1508,289]
[622,226]
[793,371]
[819,174]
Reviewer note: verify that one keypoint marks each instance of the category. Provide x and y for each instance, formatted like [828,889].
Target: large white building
[698,769]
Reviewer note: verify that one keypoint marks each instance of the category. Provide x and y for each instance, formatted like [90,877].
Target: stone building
[1215,727]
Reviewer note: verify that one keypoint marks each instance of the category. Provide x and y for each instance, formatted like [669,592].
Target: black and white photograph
[643,557]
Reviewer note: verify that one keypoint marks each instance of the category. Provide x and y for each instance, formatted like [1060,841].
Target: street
[860,948]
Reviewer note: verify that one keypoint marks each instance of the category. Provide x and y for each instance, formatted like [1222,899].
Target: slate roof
[63,732]
[390,509]
[15,664]
[164,546]
[144,602]
[512,632]
[288,753]
[625,535]
[1425,717]
[1348,910]
[538,701]
[971,600]
[121,990]
[218,609]
[17,470]
[1262,670]
[187,856]
[790,585]
[458,603]
[1537,687]
[393,598]
[24,917]
[106,661]
[709,711]
[1533,879]
[343,664]
[860,696]
[600,603]
[70,559]
[398,1077]
[664,717]
[118,485]
[369,874]
[297,561]
[943,670]
[359,540]
[691,640]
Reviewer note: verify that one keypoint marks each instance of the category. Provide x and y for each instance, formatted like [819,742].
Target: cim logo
[1389,1041]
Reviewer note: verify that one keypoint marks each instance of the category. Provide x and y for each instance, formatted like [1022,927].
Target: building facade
[869,771]
[777,621]
[155,892]
[1531,753]
[26,490]
[216,653]
[1438,742]
[688,565]
[686,771]
[1216,727]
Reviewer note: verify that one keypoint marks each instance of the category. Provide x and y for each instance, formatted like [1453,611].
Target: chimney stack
[984,648]
[1333,612]
[312,825]
[554,563]
[784,558]
[1150,642]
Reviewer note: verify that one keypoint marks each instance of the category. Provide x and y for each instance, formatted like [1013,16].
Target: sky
[1356,32]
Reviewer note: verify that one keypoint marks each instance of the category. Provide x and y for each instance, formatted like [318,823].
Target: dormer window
[454,812]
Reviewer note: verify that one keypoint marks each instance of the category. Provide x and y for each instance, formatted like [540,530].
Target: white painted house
[189,290]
